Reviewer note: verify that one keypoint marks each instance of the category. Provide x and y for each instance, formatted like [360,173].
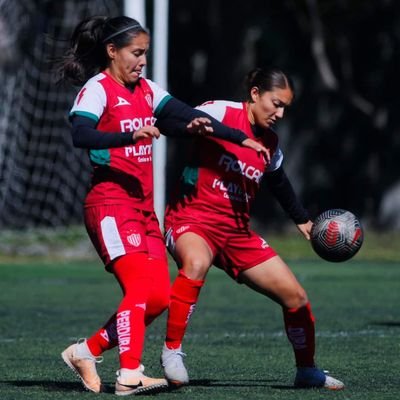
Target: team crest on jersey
[122,102]
[149,100]
[134,239]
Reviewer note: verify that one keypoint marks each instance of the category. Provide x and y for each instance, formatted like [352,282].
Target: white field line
[380,333]
[374,333]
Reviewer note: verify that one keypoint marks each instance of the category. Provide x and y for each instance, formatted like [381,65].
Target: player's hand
[305,229]
[252,144]
[200,126]
[147,131]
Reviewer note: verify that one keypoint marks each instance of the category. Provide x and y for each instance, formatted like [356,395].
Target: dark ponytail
[87,54]
[266,80]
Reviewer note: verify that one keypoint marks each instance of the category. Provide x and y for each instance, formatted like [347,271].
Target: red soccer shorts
[116,230]
[234,251]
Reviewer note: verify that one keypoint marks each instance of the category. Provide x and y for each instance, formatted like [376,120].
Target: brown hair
[87,54]
[266,80]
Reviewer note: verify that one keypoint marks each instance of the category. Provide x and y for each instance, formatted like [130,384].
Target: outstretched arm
[86,136]
[174,117]
[177,119]
[282,189]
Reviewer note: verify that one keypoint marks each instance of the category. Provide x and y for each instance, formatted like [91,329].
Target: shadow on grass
[238,383]
[108,388]
[243,383]
[57,386]
[48,385]
[230,383]
[386,323]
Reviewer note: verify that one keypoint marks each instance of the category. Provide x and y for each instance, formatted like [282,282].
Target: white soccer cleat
[314,378]
[333,384]
[174,368]
[133,381]
[83,363]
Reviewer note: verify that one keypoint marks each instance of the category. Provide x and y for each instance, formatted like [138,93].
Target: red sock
[300,330]
[132,273]
[160,291]
[184,295]
[104,339]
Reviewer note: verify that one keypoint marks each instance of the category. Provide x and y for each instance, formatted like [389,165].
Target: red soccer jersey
[219,184]
[121,175]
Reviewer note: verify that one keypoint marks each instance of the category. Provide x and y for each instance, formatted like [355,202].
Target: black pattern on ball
[336,235]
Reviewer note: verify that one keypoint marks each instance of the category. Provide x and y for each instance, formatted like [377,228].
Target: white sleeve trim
[158,93]
[217,109]
[91,98]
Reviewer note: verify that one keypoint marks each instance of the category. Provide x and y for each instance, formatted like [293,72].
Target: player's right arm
[282,189]
[86,136]
[89,106]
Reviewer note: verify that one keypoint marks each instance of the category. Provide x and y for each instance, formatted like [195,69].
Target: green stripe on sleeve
[163,102]
[100,157]
[190,175]
[85,114]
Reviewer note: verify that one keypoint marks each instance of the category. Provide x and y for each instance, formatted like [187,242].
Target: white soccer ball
[336,235]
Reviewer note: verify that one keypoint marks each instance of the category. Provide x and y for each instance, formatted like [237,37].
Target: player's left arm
[283,191]
[174,117]
[86,136]
[177,119]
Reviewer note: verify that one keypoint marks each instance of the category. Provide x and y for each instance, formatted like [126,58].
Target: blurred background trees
[340,137]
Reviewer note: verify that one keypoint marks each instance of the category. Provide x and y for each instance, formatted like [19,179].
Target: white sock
[126,374]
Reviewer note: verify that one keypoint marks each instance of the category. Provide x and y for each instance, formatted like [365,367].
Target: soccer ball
[336,235]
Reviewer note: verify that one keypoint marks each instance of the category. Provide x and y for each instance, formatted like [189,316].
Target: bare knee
[194,255]
[196,267]
[298,298]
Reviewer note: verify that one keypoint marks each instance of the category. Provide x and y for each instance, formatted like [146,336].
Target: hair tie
[136,25]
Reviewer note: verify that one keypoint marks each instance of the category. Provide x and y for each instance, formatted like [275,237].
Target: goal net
[43,178]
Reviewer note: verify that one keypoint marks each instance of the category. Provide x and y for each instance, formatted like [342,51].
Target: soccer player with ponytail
[207,223]
[113,117]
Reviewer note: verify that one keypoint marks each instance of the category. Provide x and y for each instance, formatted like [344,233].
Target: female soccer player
[113,116]
[208,223]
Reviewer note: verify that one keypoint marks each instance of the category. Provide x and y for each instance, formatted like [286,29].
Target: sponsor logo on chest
[132,125]
[122,102]
[231,190]
[143,152]
[232,164]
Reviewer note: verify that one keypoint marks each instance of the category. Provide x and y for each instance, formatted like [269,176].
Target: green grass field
[235,344]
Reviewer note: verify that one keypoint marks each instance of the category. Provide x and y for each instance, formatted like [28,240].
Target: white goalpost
[43,177]
[137,9]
